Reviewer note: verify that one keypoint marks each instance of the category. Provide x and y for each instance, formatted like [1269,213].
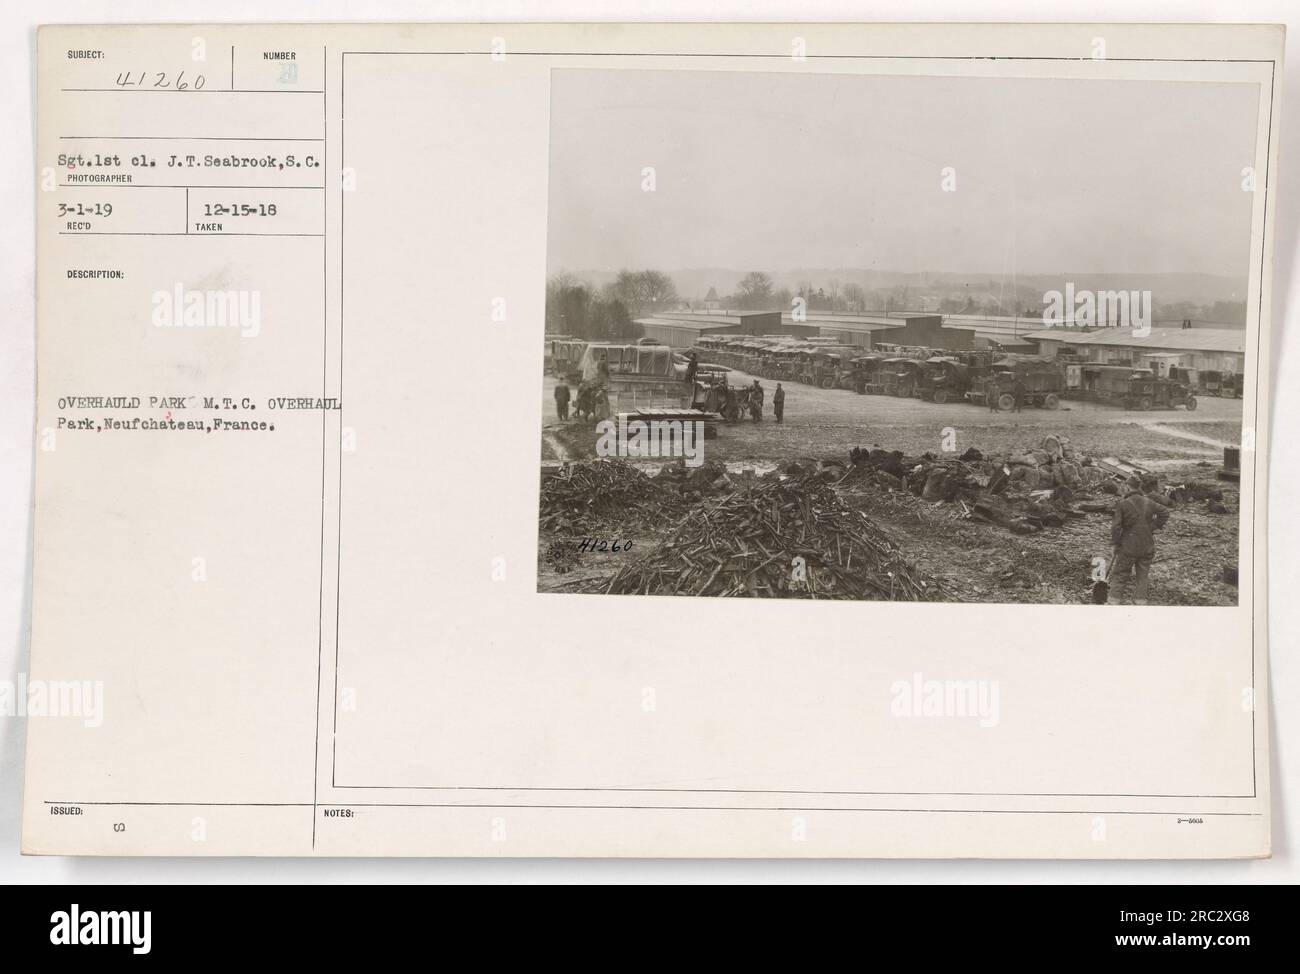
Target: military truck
[942,378]
[1227,385]
[1042,383]
[1133,388]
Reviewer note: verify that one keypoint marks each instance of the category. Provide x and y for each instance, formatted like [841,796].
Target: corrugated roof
[999,328]
[1181,339]
[717,324]
[713,316]
[857,323]
[1004,340]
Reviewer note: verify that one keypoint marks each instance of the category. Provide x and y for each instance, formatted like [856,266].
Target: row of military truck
[990,378]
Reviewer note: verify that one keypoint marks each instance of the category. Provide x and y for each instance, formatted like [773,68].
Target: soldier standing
[562,401]
[1136,519]
[778,402]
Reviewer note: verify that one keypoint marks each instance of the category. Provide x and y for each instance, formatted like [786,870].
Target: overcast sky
[781,171]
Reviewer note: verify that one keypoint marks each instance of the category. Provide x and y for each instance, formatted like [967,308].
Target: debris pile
[875,524]
[580,496]
[792,538]
[1023,492]
[692,482]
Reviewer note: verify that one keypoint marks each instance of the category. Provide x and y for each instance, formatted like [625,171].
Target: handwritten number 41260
[161,79]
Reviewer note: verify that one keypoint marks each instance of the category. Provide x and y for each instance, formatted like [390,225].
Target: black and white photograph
[967,318]
[896,337]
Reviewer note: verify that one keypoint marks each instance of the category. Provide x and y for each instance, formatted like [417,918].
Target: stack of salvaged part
[785,538]
[580,496]
[1023,492]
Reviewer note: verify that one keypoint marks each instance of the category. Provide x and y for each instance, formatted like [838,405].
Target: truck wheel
[828,383]
[1052,401]
[1191,404]
[1144,403]
[1006,401]
[941,396]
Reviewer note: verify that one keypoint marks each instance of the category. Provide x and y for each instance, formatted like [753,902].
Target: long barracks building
[1205,349]
[683,329]
[1199,347]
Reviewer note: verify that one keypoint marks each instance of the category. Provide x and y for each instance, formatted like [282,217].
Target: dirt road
[825,422]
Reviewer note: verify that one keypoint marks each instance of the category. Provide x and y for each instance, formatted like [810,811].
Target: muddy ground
[976,561]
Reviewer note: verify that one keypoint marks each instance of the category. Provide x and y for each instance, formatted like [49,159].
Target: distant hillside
[1201,289]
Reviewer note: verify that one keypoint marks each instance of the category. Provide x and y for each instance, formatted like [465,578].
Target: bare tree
[754,291]
[643,291]
[573,308]
[855,298]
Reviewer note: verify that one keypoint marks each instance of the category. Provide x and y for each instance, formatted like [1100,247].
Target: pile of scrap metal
[583,496]
[694,482]
[792,537]
[994,491]
[1024,492]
